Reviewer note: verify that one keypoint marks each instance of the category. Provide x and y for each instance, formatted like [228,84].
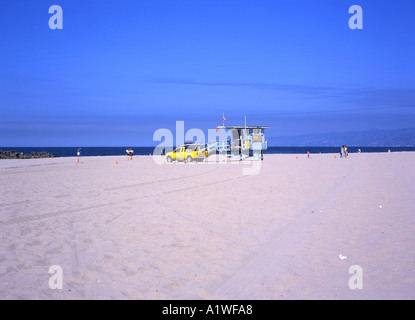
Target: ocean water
[115,151]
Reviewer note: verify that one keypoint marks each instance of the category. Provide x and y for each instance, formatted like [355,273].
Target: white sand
[139,230]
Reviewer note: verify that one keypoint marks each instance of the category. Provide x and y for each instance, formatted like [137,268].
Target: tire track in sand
[27,219]
[269,261]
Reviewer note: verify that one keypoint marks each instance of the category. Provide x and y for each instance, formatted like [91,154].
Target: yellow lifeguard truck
[188,153]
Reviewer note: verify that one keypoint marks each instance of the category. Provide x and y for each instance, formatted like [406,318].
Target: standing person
[345,151]
[78,152]
[342,152]
[129,154]
[308,154]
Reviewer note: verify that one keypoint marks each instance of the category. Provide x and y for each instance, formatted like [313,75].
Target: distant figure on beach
[308,154]
[345,151]
[130,153]
[358,150]
[78,152]
[342,152]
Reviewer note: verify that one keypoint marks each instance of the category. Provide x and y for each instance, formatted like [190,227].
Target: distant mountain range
[368,138]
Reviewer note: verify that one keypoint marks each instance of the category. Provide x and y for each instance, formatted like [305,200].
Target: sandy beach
[141,230]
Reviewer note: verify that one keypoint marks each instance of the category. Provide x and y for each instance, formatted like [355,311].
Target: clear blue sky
[119,70]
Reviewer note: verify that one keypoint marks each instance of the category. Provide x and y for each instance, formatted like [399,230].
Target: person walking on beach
[308,154]
[130,153]
[345,151]
[342,152]
[78,152]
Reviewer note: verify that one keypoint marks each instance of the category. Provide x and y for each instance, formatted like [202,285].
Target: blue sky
[120,70]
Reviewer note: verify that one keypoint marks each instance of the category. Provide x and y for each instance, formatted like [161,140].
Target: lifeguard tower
[241,142]
[247,141]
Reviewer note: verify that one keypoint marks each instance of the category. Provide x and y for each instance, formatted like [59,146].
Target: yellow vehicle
[190,153]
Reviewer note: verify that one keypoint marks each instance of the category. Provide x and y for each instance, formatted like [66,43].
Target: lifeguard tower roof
[245,127]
